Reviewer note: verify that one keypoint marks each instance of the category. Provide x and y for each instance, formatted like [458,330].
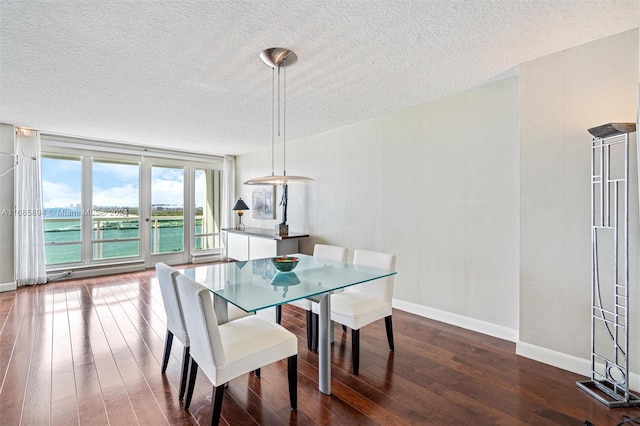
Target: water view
[113,186]
[63,226]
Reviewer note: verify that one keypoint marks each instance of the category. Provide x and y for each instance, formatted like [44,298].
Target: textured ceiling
[187,73]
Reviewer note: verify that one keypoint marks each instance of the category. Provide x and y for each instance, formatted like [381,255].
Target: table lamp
[239,207]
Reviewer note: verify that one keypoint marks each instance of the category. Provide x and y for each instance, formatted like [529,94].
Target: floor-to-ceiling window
[115,209]
[207,209]
[61,190]
[106,205]
[167,209]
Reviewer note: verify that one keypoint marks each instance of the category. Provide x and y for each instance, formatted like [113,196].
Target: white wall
[7,277]
[561,96]
[484,197]
[436,184]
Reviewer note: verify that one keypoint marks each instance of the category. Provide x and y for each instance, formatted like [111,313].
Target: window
[167,209]
[108,203]
[208,190]
[61,190]
[115,211]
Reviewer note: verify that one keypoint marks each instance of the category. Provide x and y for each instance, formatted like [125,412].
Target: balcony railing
[119,236]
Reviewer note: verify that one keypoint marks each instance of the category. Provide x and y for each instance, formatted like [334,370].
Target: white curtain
[228,193]
[29,215]
[229,190]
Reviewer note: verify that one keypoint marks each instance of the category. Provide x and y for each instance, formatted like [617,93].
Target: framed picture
[263,200]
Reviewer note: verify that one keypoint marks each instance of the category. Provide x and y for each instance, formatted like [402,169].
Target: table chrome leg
[220,307]
[324,345]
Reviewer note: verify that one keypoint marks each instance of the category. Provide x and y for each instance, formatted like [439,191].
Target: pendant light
[278,58]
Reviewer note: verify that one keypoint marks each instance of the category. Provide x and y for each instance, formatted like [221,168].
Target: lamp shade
[240,205]
[612,129]
[278,180]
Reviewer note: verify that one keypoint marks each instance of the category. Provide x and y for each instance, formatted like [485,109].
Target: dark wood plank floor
[88,351]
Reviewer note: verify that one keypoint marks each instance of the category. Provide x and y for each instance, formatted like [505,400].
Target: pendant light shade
[278,180]
[278,58]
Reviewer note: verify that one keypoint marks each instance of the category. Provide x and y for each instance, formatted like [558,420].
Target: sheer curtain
[228,192]
[229,189]
[29,215]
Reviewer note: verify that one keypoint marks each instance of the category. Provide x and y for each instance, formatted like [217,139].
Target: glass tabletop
[257,284]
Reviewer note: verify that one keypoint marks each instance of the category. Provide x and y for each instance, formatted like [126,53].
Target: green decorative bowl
[285,279]
[285,263]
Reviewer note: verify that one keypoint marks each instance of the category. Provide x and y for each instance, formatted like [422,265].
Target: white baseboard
[8,286]
[95,270]
[484,327]
[557,359]
[205,258]
[564,361]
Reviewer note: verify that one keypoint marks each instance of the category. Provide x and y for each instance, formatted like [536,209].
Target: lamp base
[240,226]
[282,229]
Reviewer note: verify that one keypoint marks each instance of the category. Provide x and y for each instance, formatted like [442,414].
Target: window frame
[89,150]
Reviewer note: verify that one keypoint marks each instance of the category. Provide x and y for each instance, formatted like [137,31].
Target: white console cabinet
[255,243]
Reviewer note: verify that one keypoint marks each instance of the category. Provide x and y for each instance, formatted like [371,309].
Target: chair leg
[193,371]
[168,341]
[216,404]
[389,326]
[278,314]
[185,371]
[292,374]
[355,350]
[315,320]
[309,330]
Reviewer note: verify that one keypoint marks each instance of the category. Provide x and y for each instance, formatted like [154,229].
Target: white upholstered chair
[362,304]
[224,352]
[175,320]
[320,251]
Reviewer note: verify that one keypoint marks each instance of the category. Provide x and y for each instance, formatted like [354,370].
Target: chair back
[171,299]
[202,325]
[328,252]
[382,288]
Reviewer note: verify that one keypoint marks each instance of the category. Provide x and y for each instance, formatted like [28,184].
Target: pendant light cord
[273,100]
[284,122]
[278,100]
[282,117]
[277,57]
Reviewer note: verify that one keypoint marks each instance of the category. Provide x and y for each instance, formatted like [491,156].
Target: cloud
[116,172]
[115,185]
[59,195]
[167,186]
[117,196]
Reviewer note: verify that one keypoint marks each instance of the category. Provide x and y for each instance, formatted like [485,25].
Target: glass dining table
[256,284]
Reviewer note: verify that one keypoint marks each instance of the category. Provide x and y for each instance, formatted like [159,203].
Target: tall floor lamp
[610,283]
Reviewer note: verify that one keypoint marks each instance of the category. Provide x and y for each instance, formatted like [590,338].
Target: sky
[114,185]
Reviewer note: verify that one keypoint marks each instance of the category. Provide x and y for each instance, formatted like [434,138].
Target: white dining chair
[224,352]
[175,320]
[320,251]
[362,304]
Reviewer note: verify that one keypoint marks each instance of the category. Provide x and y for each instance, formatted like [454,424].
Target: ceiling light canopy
[278,58]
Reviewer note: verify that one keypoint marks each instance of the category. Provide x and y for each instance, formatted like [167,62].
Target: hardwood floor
[88,351]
